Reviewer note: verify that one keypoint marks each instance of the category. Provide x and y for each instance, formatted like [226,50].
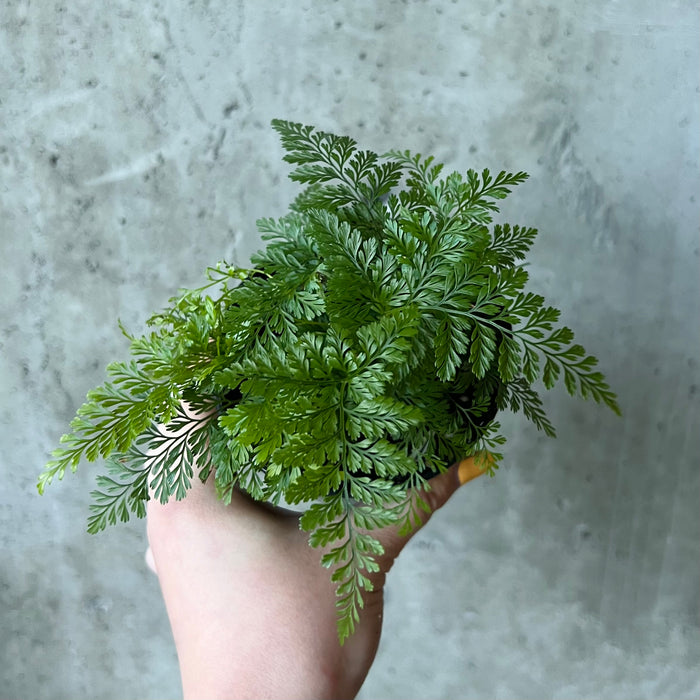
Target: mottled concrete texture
[135,150]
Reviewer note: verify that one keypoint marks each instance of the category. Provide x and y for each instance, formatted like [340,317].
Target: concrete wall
[135,151]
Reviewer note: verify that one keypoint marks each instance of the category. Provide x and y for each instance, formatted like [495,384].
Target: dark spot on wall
[337,24]
[53,160]
[620,553]
[37,259]
[473,149]
[362,55]
[692,389]
[565,138]
[463,74]
[378,26]
[83,204]
[230,107]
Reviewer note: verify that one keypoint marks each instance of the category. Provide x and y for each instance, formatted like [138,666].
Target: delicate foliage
[370,346]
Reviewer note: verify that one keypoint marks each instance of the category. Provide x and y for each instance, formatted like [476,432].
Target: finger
[439,490]
[441,487]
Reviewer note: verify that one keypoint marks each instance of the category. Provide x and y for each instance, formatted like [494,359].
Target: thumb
[439,490]
[441,487]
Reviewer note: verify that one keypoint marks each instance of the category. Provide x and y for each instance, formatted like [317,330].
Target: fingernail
[469,469]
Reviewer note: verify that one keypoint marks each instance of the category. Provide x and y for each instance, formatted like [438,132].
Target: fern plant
[368,347]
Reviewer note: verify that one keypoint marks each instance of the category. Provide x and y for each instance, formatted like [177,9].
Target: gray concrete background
[135,151]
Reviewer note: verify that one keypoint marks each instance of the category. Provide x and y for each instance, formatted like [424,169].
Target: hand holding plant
[252,612]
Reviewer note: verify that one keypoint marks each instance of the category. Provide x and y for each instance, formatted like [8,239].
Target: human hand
[252,610]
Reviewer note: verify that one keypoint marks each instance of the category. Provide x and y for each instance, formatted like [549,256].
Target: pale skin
[251,609]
